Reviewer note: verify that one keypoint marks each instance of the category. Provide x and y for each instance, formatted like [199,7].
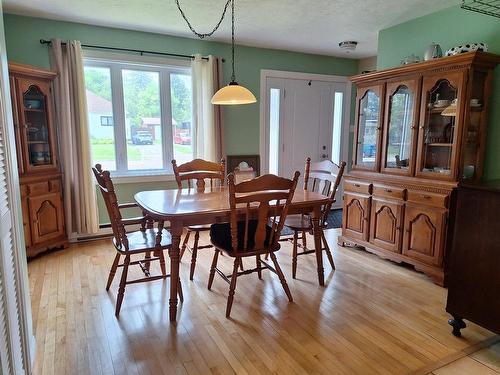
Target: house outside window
[140,113]
[106,120]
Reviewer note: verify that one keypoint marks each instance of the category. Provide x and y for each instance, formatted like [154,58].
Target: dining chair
[132,243]
[323,177]
[263,204]
[197,173]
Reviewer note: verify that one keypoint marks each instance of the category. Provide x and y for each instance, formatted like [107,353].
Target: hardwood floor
[372,317]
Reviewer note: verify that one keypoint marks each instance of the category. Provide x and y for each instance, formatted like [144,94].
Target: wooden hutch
[36,144]
[420,129]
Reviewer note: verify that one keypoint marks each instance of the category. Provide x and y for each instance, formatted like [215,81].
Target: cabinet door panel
[355,217]
[424,234]
[46,216]
[369,104]
[385,224]
[441,121]
[36,122]
[400,126]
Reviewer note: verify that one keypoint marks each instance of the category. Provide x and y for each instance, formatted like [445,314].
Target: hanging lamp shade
[233,94]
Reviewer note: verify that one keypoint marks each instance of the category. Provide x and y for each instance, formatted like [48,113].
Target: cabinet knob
[357,185]
[379,128]
[388,190]
[413,127]
[422,127]
[426,196]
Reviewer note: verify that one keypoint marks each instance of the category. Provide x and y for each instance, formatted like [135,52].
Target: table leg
[176,231]
[317,244]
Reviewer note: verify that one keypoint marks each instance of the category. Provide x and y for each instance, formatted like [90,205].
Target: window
[274,130]
[140,115]
[107,121]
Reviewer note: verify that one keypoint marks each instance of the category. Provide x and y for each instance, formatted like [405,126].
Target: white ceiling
[313,26]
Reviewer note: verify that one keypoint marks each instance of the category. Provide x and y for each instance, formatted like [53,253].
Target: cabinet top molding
[28,70]
[463,60]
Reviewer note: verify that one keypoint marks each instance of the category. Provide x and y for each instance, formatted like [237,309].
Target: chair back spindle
[323,177]
[109,195]
[198,171]
[265,199]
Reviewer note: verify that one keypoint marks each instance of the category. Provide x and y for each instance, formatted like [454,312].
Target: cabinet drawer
[38,188]
[55,185]
[357,186]
[432,199]
[389,192]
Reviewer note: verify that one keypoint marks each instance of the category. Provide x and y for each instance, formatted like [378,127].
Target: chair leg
[112,271]
[257,262]
[281,276]
[304,239]
[147,261]
[184,244]
[161,255]
[194,255]
[294,253]
[212,269]
[232,286]
[121,289]
[179,290]
[241,265]
[327,250]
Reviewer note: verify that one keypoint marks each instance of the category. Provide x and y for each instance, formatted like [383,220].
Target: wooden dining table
[185,207]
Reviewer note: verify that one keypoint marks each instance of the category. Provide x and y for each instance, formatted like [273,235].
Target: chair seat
[199,228]
[220,236]
[298,222]
[139,241]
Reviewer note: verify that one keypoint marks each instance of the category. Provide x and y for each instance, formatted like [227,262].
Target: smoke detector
[348,45]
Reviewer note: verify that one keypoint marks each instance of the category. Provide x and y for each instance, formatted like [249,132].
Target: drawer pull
[388,190]
[426,196]
[357,185]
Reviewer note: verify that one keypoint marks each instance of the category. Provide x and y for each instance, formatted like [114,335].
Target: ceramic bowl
[467,48]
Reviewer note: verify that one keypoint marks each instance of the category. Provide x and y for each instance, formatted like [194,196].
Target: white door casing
[314,115]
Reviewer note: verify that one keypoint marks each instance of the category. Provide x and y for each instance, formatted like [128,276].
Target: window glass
[274,130]
[141,98]
[99,106]
[181,101]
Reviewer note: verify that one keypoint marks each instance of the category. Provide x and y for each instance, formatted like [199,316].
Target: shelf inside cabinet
[439,144]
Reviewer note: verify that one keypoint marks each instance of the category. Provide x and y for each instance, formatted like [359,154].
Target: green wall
[241,123]
[449,27]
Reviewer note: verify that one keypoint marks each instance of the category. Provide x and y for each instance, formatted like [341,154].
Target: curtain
[74,143]
[207,118]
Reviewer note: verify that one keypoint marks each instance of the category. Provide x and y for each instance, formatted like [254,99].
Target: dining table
[186,207]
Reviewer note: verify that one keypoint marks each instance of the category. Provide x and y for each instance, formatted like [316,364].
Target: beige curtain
[207,118]
[74,143]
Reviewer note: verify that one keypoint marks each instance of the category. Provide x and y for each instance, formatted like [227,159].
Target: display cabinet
[36,144]
[420,129]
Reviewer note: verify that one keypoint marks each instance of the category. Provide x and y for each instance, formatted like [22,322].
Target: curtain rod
[141,52]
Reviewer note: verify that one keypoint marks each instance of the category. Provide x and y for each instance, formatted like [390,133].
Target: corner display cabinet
[420,129]
[36,144]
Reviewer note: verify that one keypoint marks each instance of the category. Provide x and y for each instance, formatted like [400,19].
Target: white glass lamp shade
[233,94]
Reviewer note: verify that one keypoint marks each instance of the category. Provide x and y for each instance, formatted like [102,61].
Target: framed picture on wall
[243,166]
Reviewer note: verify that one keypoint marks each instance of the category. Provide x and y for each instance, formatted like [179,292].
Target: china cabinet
[420,130]
[36,145]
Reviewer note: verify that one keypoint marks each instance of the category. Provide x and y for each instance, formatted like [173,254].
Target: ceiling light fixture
[348,45]
[233,93]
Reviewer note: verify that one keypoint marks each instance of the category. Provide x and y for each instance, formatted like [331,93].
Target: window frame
[116,63]
[107,122]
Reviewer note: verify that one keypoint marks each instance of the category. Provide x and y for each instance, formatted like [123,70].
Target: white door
[305,118]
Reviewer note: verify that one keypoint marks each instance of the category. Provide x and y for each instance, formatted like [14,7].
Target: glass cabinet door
[400,127]
[36,125]
[368,128]
[438,126]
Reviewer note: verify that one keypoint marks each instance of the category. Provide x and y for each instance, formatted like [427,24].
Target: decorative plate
[467,48]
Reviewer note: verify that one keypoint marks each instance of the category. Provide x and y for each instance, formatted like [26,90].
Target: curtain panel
[74,143]
[207,118]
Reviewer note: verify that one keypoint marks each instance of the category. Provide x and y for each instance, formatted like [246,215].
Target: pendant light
[233,93]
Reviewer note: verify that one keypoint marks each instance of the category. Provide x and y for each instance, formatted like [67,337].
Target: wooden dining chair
[323,177]
[259,203]
[196,174]
[132,243]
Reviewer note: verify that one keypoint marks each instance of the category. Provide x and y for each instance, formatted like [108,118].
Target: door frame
[267,73]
